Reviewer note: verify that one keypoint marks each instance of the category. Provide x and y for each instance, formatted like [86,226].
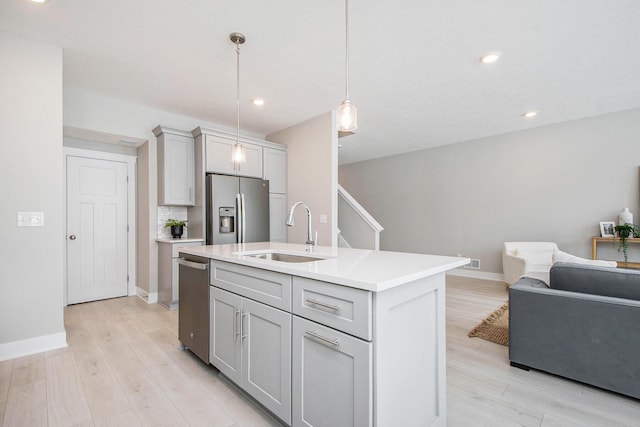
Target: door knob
[72,237]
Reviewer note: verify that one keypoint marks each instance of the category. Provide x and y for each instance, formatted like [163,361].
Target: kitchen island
[331,336]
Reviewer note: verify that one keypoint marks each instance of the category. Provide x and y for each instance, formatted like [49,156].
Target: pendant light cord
[346,15]
[238,90]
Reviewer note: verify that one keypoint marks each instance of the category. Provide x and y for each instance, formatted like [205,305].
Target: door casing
[131,209]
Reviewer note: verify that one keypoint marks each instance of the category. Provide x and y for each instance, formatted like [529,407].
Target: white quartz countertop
[175,241]
[363,269]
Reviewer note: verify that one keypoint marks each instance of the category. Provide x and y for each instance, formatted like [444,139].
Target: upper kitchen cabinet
[175,167]
[218,157]
[275,169]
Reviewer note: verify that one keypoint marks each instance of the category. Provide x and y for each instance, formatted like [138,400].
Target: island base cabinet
[332,377]
[251,345]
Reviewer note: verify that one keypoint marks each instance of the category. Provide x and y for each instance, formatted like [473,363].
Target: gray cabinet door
[225,348]
[275,169]
[332,377]
[277,217]
[266,363]
[176,178]
[218,155]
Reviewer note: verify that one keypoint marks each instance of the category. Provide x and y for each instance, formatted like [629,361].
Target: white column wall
[31,179]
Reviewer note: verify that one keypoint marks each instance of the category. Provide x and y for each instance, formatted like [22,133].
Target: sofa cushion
[596,280]
[533,257]
[559,256]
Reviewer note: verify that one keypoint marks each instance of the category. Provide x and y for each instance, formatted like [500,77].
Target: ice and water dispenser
[227,219]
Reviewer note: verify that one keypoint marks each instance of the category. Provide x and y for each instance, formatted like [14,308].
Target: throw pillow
[559,256]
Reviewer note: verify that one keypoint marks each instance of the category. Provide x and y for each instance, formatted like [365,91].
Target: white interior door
[96,229]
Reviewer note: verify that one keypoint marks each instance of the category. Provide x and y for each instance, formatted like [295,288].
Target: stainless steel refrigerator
[237,209]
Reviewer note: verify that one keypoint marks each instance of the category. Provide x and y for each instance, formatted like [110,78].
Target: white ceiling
[415,74]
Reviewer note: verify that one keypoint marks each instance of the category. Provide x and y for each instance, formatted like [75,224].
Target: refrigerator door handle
[239,216]
[244,217]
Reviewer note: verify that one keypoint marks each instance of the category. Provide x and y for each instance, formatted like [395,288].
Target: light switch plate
[30,219]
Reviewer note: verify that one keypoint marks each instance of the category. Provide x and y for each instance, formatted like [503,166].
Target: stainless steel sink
[275,256]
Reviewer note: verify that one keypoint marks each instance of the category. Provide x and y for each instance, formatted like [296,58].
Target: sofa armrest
[513,267]
[589,338]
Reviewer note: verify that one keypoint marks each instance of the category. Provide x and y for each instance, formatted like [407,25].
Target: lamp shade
[347,117]
[238,155]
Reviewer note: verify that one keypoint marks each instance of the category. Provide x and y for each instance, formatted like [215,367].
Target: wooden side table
[594,249]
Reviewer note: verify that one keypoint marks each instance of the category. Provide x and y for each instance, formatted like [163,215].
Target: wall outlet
[459,255]
[30,219]
[474,264]
[323,219]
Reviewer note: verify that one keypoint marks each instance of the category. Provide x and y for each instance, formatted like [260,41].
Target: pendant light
[347,116]
[238,154]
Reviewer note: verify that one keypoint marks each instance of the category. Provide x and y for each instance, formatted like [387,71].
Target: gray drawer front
[264,286]
[340,307]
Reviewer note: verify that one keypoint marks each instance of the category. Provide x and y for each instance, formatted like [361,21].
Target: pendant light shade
[238,154]
[347,115]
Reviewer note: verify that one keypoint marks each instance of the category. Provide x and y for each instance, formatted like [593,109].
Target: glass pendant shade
[347,117]
[238,155]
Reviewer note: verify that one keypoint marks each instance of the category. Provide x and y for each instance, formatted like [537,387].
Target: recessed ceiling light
[39,1]
[258,101]
[490,57]
[530,114]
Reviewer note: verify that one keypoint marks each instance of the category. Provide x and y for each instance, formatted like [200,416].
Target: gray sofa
[585,326]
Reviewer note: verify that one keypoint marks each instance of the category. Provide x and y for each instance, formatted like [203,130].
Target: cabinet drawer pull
[192,264]
[314,334]
[323,304]
[242,327]
[236,333]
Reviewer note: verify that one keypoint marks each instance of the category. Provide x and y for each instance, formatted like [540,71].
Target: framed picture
[607,229]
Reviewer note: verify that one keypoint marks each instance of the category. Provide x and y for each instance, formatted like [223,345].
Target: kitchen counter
[357,268]
[174,241]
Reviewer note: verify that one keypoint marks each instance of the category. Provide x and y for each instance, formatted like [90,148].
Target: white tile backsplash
[174,212]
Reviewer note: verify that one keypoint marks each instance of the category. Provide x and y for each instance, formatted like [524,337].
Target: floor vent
[474,264]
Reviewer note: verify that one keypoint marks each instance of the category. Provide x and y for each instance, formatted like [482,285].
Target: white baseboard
[12,350]
[149,298]
[476,274]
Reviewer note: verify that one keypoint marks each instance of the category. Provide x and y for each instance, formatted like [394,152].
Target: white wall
[312,169]
[553,183]
[31,177]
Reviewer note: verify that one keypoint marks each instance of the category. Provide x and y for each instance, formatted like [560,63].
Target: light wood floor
[123,367]
[484,390]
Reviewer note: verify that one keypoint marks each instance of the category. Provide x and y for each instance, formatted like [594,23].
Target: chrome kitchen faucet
[291,222]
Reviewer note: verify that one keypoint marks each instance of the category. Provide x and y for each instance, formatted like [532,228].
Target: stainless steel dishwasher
[193,313]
